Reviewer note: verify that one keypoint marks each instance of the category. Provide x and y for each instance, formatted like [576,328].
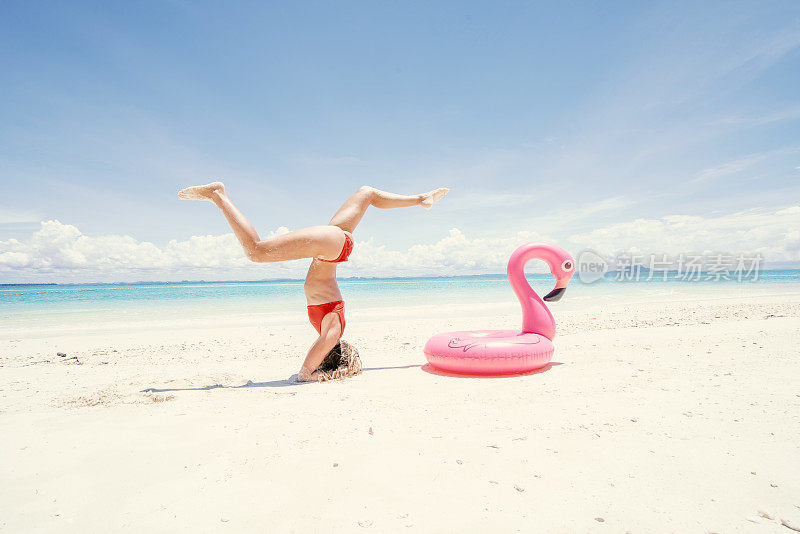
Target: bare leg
[351,212]
[215,192]
[306,243]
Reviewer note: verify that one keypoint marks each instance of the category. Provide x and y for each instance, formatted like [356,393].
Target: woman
[326,245]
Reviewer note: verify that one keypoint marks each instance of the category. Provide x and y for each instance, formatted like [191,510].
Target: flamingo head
[562,266]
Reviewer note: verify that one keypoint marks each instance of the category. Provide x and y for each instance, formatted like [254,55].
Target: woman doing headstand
[326,245]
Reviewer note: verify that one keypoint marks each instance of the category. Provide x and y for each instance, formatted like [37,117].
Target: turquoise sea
[61,305]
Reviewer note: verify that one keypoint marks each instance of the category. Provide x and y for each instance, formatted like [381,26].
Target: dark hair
[342,361]
[333,359]
[342,357]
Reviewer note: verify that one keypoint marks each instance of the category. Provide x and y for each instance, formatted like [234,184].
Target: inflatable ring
[484,352]
[497,352]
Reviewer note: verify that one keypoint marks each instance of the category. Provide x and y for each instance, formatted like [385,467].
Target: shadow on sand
[287,382]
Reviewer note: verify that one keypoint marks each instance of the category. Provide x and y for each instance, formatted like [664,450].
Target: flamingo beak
[555,295]
[558,292]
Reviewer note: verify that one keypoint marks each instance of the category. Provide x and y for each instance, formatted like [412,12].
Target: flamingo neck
[536,316]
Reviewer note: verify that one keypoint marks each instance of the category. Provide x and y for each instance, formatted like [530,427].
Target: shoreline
[291,312]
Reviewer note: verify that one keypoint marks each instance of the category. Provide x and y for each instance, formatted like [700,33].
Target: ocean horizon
[61,306]
[770,274]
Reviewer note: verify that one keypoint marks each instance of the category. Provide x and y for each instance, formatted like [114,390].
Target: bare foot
[201,192]
[431,197]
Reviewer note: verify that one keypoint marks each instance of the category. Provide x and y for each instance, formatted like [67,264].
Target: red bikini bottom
[317,312]
[347,249]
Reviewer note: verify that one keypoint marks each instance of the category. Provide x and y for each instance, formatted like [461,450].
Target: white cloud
[725,169]
[59,252]
[559,215]
[773,233]
[488,200]
[453,254]
[16,216]
[762,118]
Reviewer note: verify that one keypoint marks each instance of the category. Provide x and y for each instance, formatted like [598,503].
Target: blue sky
[567,120]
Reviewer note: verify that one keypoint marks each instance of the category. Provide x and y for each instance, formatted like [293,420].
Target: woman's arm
[331,332]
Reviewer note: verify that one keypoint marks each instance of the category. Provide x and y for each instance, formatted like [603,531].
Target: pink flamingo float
[495,352]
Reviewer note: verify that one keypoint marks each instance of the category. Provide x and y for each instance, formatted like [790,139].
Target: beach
[663,411]
[203,201]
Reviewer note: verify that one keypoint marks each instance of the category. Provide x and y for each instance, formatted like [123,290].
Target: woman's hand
[307,376]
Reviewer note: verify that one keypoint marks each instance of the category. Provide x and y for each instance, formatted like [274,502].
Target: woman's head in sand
[341,355]
[341,362]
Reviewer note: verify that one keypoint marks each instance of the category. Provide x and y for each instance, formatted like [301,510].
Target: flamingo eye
[567,265]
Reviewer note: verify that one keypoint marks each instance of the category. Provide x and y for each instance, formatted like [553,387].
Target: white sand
[663,416]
